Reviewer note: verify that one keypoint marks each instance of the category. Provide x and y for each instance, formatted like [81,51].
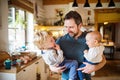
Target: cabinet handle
[24,70]
[36,62]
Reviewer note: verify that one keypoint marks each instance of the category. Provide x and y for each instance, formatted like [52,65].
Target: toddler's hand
[57,47]
[85,51]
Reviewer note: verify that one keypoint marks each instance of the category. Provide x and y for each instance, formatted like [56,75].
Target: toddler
[52,54]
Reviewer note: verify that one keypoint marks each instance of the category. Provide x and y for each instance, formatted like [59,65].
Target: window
[18,21]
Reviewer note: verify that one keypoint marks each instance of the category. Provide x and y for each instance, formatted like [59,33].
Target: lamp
[86,4]
[99,4]
[111,3]
[75,4]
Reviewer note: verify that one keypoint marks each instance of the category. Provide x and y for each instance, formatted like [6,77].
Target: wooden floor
[112,68]
[111,71]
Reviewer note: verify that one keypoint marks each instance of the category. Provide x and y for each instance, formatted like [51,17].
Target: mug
[7,64]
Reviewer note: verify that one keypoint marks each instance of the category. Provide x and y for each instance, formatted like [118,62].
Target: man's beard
[75,35]
[72,34]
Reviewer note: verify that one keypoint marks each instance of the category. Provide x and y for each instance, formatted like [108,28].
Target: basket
[3,56]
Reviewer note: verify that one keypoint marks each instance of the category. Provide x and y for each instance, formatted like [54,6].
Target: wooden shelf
[48,27]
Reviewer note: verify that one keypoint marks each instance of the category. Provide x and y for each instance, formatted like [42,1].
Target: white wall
[4,25]
[50,10]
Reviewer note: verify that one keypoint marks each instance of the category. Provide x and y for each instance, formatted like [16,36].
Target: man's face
[71,27]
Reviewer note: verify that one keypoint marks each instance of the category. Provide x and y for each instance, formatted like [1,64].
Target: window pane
[16,28]
[20,28]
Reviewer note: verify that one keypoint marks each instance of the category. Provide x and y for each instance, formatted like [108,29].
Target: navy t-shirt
[73,48]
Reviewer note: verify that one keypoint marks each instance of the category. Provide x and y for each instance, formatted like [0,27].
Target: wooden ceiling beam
[27,3]
[55,2]
[22,5]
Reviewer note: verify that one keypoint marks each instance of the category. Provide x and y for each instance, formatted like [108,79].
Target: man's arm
[91,68]
[57,69]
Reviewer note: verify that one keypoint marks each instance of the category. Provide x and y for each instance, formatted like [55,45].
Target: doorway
[107,31]
[108,22]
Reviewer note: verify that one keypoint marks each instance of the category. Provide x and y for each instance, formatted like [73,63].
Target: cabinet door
[29,73]
[41,69]
[7,76]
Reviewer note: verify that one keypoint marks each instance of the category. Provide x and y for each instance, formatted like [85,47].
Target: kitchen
[49,12]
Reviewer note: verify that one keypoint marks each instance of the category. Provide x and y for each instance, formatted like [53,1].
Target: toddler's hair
[40,39]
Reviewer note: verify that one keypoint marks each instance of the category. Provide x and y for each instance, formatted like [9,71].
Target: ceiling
[53,2]
[28,4]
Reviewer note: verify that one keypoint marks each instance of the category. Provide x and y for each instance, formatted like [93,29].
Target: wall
[50,13]
[117,36]
[4,25]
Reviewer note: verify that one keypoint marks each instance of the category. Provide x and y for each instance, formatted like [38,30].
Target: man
[73,44]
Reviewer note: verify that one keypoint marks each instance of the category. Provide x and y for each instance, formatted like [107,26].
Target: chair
[109,52]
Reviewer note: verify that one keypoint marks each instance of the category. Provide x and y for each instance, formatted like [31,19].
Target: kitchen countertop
[16,69]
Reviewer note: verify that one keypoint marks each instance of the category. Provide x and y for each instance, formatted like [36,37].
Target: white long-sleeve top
[94,54]
[52,57]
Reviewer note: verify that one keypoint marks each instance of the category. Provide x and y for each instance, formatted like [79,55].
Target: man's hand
[88,68]
[57,69]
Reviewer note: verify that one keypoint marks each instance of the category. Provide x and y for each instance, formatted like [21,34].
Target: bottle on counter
[18,62]
[88,21]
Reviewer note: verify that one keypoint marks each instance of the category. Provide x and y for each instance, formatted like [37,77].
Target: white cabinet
[7,76]
[35,70]
[28,73]
[41,70]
